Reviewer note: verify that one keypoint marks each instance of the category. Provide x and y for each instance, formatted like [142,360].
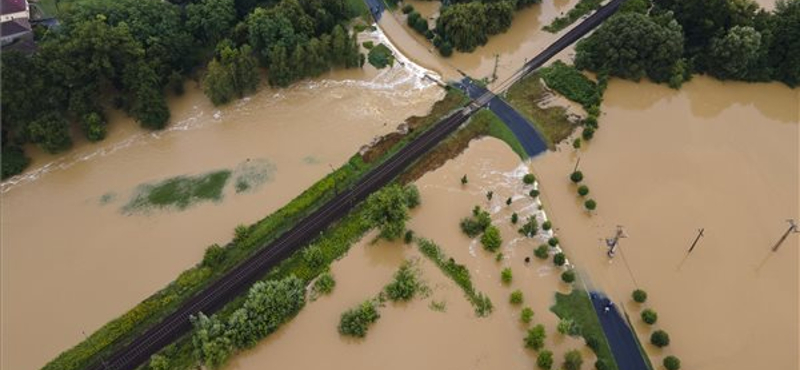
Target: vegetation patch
[178,192]
[577,307]
[380,56]
[459,274]
[572,84]
[552,122]
[405,285]
[252,174]
[582,8]
[355,322]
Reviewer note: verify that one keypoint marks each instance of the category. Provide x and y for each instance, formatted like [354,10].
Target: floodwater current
[72,260]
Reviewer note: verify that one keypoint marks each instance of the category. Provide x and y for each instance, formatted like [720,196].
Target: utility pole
[611,243]
[576,164]
[792,229]
[699,235]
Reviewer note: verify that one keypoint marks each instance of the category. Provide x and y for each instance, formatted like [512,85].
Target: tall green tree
[211,20]
[232,73]
[387,209]
[734,56]
[784,51]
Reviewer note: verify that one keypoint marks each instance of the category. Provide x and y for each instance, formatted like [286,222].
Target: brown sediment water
[412,335]
[721,156]
[71,260]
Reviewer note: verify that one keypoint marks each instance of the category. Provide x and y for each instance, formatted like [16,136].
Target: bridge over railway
[241,277]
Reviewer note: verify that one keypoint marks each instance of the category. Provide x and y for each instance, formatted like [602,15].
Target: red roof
[13,6]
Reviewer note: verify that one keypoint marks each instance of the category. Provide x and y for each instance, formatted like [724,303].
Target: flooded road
[71,260]
[665,163]
[412,335]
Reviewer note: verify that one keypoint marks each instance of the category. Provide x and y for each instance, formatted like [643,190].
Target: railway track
[241,277]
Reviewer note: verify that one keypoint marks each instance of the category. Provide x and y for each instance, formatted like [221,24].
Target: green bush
[672,363]
[547,225]
[408,237]
[506,275]
[588,133]
[559,259]
[514,218]
[408,8]
[569,327]
[535,337]
[14,161]
[553,242]
[464,180]
[568,276]
[659,338]
[640,296]
[576,144]
[649,316]
[516,297]
[576,176]
[387,209]
[477,224]
[542,251]
[534,193]
[545,360]
[380,56]
[526,315]
[529,179]
[573,360]
[405,285]
[324,284]
[214,256]
[368,45]
[355,321]
[491,239]
[590,204]
[412,196]
[530,228]
[583,190]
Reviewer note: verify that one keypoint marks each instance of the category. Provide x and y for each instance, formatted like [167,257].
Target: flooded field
[72,259]
[413,335]
[665,163]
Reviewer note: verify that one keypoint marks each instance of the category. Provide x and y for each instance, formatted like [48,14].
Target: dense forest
[126,53]
[669,40]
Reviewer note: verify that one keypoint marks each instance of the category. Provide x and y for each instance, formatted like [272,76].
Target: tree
[528,179]
[535,338]
[387,209]
[158,362]
[784,50]
[633,46]
[568,276]
[639,296]
[506,275]
[514,218]
[14,161]
[51,132]
[559,259]
[324,284]
[659,338]
[491,239]
[218,83]
[590,204]
[649,316]
[404,285]
[672,363]
[735,55]
[464,25]
[553,242]
[542,251]
[545,360]
[526,315]
[583,190]
[576,176]
[214,256]
[573,360]
[464,180]
[412,196]
[569,327]
[355,321]
[210,20]
[211,344]
[530,228]
[516,297]
[508,201]
[94,126]
[313,256]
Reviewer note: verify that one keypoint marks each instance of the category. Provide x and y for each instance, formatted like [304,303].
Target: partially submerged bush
[649,316]
[529,179]
[491,239]
[659,338]
[640,296]
[535,338]
[506,275]
[405,285]
[355,321]
[576,176]
[324,284]
[559,259]
[569,327]
[530,228]
[516,297]
[583,190]
[526,315]
[542,252]
[568,276]
[545,360]
[672,363]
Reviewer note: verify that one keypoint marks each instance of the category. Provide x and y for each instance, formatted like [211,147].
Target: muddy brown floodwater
[412,335]
[665,163]
[71,261]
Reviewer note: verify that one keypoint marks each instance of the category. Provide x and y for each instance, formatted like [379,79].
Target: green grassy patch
[582,8]
[179,192]
[380,56]
[551,122]
[458,273]
[578,307]
[251,175]
[572,84]
[495,127]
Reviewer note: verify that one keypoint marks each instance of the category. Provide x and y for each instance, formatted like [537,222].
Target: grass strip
[578,307]
[582,8]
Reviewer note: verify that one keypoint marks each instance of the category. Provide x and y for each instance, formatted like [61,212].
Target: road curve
[239,279]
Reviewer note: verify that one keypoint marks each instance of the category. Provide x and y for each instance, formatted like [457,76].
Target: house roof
[13,6]
[15,27]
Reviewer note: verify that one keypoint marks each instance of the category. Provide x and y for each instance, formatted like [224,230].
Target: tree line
[669,40]
[125,53]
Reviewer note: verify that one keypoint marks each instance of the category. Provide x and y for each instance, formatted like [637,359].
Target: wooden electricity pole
[792,229]
[699,235]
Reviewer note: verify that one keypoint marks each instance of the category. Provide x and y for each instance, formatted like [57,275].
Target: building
[14,23]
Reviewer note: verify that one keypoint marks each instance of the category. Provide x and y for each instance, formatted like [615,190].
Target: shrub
[324,284]
[240,233]
[649,316]
[529,179]
[412,196]
[508,201]
[576,144]
[583,190]
[535,338]
[568,276]
[506,275]
[573,360]
[483,305]
[368,45]
[491,239]
[576,176]
[214,256]
[464,180]
[313,256]
[542,251]
[534,193]
[14,161]
[405,284]
[659,338]
[514,218]
[409,237]
[640,296]
[355,321]
[569,327]
[559,259]
[446,49]
[590,204]
[387,209]
[473,226]
[408,8]
[592,342]
[516,297]
[547,225]
[530,228]
[545,360]
[526,315]
[489,195]
[588,133]
[672,363]
[552,241]
[498,257]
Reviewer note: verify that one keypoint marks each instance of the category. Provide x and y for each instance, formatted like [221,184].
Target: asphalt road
[620,335]
[376,8]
